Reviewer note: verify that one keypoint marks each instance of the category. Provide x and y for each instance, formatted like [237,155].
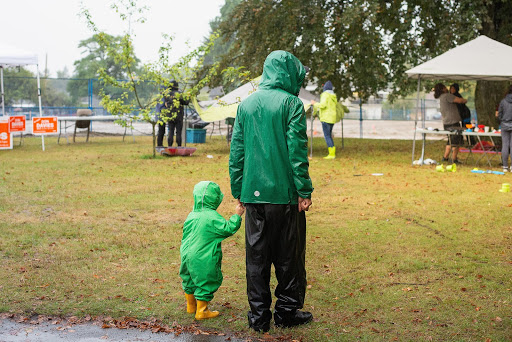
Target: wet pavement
[12,331]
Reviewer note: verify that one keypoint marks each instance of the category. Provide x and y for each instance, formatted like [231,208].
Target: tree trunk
[488,95]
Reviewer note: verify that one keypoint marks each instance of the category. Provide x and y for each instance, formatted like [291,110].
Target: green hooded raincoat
[203,232]
[268,162]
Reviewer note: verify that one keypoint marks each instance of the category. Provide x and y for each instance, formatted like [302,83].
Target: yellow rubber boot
[203,312]
[191,303]
[332,153]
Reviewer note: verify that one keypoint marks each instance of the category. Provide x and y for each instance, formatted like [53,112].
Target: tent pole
[39,99]
[416,120]
[186,124]
[311,130]
[342,138]
[2,82]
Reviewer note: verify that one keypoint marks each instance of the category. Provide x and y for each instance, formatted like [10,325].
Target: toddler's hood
[207,195]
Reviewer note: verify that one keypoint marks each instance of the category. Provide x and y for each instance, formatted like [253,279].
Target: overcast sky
[54,28]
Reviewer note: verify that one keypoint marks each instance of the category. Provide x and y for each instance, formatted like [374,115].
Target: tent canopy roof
[11,56]
[479,59]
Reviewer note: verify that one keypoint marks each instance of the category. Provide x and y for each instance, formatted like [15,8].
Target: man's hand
[304,204]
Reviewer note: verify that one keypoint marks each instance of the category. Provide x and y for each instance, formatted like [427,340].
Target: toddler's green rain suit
[203,232]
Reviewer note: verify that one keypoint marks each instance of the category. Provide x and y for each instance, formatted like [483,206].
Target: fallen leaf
[159,280]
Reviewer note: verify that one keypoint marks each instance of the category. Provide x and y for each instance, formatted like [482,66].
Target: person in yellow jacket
[326,110]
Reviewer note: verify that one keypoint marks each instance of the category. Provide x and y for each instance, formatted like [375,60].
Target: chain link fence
[64,96]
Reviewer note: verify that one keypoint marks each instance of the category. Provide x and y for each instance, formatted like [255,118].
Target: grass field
[95,229]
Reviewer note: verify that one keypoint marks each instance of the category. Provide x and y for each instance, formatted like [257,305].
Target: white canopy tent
[479,59]
[14,57]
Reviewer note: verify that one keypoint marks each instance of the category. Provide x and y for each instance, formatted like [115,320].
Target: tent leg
[342,138]
[185,126]
[416,122]
[311,133]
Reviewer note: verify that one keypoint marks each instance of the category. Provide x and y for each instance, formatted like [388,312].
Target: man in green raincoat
[201,252]
[268,167]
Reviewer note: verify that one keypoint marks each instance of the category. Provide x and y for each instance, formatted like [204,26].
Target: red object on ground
[483,146]
[178,151]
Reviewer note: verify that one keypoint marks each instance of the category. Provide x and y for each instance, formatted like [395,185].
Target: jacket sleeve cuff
[305,194]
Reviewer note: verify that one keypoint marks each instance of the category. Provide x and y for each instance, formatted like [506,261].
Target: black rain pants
[174,124]
[275,234]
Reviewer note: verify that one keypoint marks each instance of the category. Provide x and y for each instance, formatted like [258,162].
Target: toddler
[201,252]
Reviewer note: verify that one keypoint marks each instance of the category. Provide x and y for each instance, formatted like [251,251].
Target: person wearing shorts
[451,120]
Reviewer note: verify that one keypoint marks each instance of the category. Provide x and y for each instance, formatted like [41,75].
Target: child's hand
[240,209]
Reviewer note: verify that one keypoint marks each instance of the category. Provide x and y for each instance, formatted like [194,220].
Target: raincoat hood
[173,85]
[207,195]
[328,85]
[508,98]
[284,71]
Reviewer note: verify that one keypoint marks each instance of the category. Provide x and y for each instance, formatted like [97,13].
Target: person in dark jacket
[170,111]
[268,167]
[464,112]
[505,117]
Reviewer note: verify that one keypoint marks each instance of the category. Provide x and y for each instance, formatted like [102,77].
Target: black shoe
[292,319]
[445,159]
[456,161]
[257,326]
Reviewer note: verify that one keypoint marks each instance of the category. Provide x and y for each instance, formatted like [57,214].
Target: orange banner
[17,123]
[44,125]
[5,136]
